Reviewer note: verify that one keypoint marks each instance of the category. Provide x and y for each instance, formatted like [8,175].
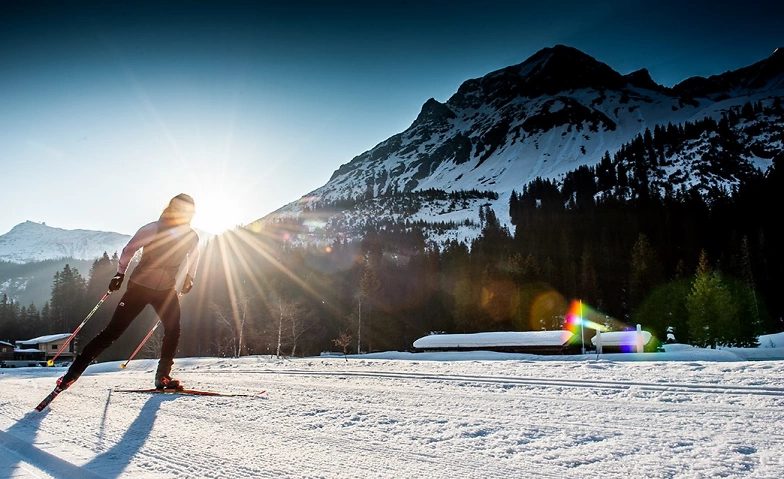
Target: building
[44,348]
[530,342]
[625,342]
[6,351]
[14,357]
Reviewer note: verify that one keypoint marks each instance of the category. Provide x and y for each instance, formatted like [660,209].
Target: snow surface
[685,413]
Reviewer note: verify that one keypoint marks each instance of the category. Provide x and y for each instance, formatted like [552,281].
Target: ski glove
[187,285]
[116,282]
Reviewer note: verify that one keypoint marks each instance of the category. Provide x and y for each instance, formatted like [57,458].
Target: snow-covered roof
[27,351]
[44,339]
[622,338]
[492,339]
[5,344]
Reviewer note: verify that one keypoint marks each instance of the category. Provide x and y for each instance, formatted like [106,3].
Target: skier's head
[180,210]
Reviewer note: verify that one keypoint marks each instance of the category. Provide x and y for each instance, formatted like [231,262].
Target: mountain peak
[642,78]
[561,68]
[434,111]
[765,75]
[26,227]
[559,110]
[777,58]
[550,71]
[560,53]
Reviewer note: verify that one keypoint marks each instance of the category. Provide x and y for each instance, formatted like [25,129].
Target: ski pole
[123,365]
[51,361]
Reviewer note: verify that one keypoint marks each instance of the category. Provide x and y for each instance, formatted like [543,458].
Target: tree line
[698,261]
[73,295]
[626,237]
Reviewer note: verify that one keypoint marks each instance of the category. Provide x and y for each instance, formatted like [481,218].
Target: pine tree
[664,310]
[101,273]
[67,303]
[46,314]
[642,267]
[368,286]
[30,324]
[7,321]
[748,279]
[464,303]
[710,306]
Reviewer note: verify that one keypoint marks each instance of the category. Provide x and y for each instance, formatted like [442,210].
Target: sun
[218,211]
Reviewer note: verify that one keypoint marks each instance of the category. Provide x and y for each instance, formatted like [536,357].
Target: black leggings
[135,299]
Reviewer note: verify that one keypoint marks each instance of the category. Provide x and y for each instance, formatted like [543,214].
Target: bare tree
[152,348]
[281,314]
[344,341]
[223,345]
[234,324]
[294,320]
[301,320]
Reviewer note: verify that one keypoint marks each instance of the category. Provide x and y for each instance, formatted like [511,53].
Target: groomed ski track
[328,418]
[514,381]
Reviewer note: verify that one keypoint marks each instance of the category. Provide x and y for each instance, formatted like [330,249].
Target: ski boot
[168,383]
[62,384]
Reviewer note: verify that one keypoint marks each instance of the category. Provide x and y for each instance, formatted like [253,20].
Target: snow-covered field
[686,413]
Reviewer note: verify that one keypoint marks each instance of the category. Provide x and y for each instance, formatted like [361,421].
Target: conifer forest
[704,264]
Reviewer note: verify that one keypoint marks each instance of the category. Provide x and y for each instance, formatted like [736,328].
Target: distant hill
[33,242]
[31,253]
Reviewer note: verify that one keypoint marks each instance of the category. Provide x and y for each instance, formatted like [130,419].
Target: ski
[49,398]
[189,392]
[185,392]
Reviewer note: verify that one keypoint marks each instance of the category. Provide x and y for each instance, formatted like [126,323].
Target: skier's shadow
[113,462]
[18,439]
[109,464]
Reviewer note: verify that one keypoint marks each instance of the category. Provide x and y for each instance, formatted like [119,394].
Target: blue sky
[109,108]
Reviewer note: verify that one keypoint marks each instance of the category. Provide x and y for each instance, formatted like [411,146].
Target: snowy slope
[688,414]
[557,111]
[29,241]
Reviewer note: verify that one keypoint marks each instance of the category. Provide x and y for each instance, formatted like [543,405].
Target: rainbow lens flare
[581,315]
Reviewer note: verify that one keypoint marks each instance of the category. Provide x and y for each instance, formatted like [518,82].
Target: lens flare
[581,315]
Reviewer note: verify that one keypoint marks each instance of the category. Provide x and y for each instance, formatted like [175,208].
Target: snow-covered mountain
[30,242]
[559,110]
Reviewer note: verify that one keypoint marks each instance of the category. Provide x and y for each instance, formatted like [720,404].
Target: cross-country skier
[167,244]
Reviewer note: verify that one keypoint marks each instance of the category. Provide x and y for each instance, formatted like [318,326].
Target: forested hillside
[635,238]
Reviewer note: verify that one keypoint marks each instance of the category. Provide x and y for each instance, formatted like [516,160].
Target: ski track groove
[368,447]
[717,414]
[101,438]
[540,422]
[691,388]
[356,435]
[556,427]
[160,460]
